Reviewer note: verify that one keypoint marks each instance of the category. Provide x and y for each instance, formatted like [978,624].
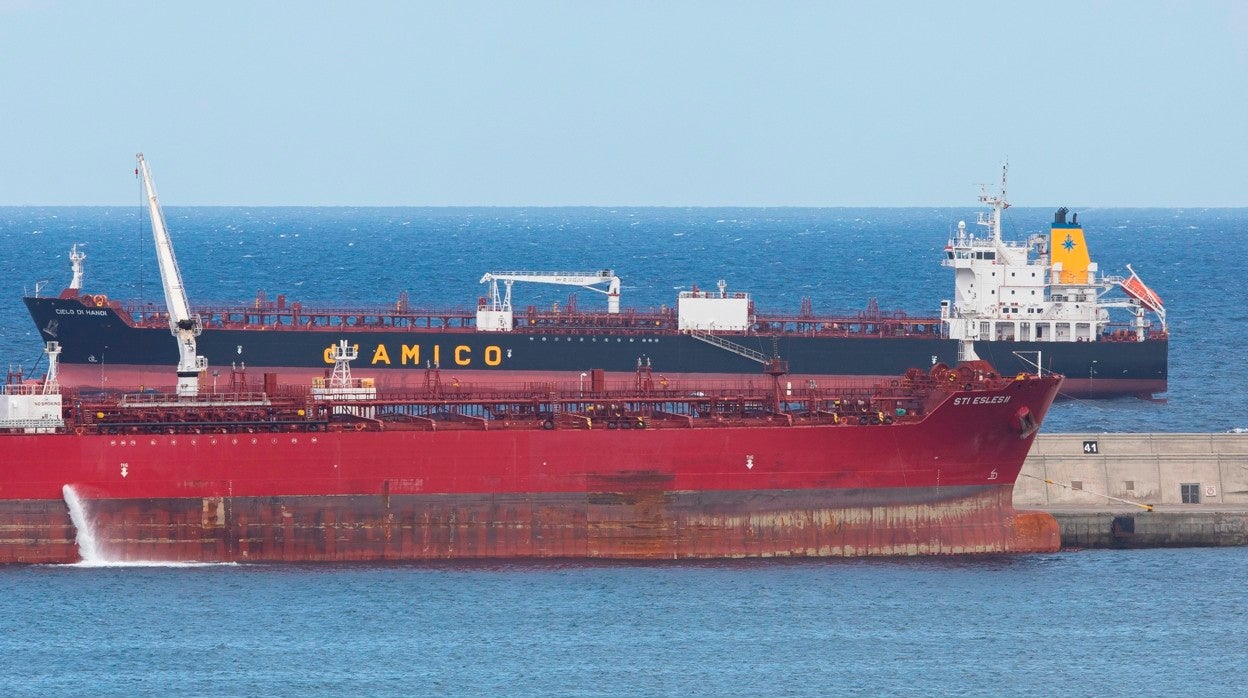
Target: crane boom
[570,278]
[584,279]
[182,323]
[494,314]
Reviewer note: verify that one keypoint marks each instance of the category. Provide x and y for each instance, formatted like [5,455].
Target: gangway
[727,345]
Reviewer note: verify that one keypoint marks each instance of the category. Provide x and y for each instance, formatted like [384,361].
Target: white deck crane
[494,314]
[184,325]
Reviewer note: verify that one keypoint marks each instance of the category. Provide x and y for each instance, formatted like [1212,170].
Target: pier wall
[1145,468]
[1197,485]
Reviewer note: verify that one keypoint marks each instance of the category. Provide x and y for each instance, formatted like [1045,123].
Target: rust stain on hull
[630,517]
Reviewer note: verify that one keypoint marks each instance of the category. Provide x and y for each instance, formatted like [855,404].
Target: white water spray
[88,546]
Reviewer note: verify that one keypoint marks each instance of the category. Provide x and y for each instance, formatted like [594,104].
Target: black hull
[100,347]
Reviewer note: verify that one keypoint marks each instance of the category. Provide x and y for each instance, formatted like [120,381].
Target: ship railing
[153,398]
[604,274]
[385,319]
[632,321]
[289,316]
[674,400]
[147,308]
[897,324]
[21,389]
[349,311]
[580,319]
[32,426]
[560,409]
[656,385]
[985,242]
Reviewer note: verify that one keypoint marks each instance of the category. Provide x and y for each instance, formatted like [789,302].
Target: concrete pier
[1098,487]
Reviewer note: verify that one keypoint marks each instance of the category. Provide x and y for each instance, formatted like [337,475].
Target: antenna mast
[998,204]
[75,259]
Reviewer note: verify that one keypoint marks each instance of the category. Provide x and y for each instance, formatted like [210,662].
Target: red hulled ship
[924,463]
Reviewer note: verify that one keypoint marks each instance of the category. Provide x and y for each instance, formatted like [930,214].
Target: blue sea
[1076,623]
[1092,623]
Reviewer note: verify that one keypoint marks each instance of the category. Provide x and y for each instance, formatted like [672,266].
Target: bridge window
[1190,492]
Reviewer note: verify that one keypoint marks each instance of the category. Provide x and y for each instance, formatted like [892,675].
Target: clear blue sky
[1136,103]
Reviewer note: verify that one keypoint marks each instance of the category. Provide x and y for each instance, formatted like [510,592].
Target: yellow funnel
[1069,249]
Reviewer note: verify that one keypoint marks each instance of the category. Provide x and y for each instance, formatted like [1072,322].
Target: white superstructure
[709,311]
[34,407]
[1040,290]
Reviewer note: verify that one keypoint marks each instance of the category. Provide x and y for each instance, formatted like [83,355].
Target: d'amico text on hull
[109,343]
[921,464]
[1027,306]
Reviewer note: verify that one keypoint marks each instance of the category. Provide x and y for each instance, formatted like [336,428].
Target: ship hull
[643,524]
[939,485]
[100,349]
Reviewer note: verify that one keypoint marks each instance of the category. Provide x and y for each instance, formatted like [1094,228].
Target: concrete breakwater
[1100,488]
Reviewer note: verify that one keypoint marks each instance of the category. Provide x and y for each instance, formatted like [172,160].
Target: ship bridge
[1035,290]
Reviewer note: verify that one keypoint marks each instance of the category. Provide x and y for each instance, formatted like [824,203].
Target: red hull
[639,524]
[939,485]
